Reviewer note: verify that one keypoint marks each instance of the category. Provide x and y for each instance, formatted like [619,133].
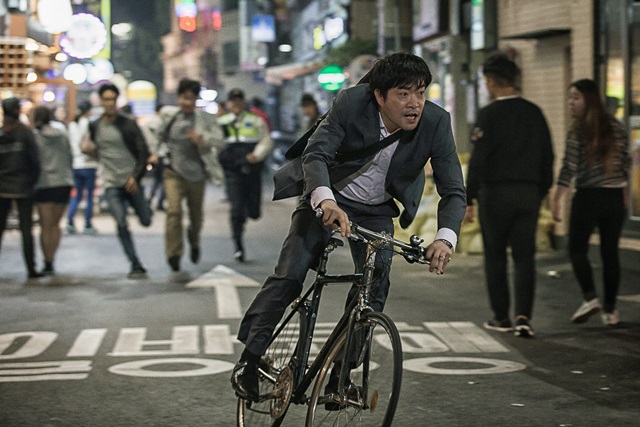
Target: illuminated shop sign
[186,11]
[85,38]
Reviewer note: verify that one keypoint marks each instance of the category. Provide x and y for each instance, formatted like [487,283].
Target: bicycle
[364,391]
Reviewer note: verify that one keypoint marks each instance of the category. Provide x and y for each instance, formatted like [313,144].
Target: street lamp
[55,15]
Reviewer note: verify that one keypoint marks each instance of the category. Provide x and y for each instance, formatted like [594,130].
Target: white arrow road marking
[226,282]
[630,298]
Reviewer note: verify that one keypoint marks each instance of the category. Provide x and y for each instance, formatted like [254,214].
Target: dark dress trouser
[244,190]
[25,216]
[300,251]
[508,216]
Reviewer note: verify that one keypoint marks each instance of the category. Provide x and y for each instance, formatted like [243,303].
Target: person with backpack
[122,153]
[188,137]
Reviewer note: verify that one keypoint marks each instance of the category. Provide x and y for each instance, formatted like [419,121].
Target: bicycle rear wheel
[372,398]
[275,381]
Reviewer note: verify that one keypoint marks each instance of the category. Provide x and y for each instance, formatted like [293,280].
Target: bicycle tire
[275,363]
[383,357]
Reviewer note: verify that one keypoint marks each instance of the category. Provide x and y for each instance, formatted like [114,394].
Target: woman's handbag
[88,147]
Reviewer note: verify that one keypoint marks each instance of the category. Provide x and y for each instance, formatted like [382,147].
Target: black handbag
[233,157]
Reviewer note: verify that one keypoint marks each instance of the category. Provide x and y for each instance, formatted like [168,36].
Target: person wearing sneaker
[390,107]
[597,155]
[510,173]
[122,153]
[84,171]
[186,136]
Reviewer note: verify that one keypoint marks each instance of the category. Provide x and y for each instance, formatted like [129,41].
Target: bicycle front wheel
[371,397]
[275,381]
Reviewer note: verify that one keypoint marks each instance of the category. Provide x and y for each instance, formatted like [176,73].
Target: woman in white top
[84,171]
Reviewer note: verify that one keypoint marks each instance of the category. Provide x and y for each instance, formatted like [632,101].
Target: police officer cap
[235,94]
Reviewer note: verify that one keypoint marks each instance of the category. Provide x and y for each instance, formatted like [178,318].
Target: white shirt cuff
[320,194]
[448,235]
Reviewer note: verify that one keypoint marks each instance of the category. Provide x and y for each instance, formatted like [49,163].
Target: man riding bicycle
[389,122]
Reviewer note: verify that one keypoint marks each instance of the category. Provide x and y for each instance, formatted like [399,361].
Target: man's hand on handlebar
[335,217]
[439,254]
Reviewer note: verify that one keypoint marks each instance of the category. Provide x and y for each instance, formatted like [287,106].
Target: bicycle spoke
[275,382]
[372,397]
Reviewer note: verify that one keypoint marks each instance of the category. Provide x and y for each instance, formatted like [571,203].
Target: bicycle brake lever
[417,256]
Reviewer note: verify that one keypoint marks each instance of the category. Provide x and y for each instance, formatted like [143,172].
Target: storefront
[619,74]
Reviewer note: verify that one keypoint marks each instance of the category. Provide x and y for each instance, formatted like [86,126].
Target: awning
[278,74]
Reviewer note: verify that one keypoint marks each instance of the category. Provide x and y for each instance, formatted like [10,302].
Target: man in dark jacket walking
[122,153]
[19,171]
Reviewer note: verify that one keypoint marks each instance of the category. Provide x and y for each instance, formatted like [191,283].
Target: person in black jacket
[122,152]
[19,171]
[510,172]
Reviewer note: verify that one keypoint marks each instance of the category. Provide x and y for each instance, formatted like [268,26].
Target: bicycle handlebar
[412,251]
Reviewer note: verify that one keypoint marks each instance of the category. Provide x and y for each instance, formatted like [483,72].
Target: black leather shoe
[174,262]
[195,254]
[35,275]
[353,391]
[244,380]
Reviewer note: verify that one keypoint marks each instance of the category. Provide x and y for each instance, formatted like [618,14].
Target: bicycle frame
[350,341]
[308,305]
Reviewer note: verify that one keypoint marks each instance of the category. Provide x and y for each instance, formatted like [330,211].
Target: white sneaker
[611,319]
[586,310]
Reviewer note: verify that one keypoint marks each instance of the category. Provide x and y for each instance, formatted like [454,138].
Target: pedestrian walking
[189,137]
[150,127]
[510,173]
[310,111]
[84,171]
[597,156]
[247,145]
[19,172]
[394,131]
[122,153]
[53,188]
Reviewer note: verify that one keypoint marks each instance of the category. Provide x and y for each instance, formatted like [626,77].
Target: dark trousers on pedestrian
[602,208]
[119,201]
[25,217]
[508,216]
[244,190]
[300,252]
[84,179]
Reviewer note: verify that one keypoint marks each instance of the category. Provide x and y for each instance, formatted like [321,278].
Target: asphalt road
[89,347]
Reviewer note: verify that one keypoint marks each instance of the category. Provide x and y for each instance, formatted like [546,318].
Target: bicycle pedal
[336,242]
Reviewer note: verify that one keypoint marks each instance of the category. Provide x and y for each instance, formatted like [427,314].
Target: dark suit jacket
[354,123]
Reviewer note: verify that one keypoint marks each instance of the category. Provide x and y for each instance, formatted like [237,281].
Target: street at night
[90,347]
[152,156]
